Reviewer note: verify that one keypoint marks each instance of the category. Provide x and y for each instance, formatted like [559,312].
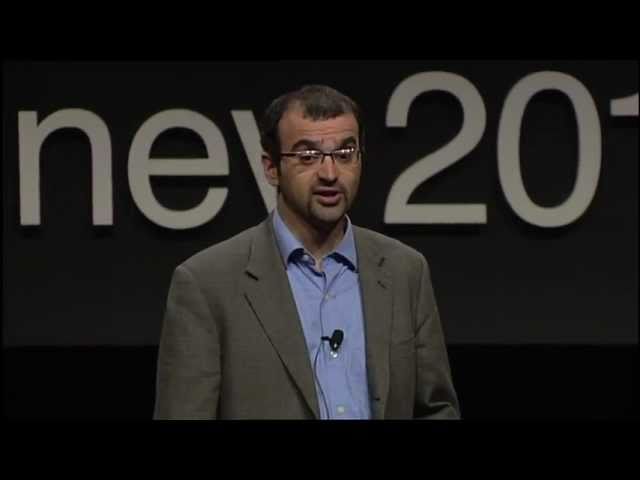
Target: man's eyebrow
[348,141]
[305,143]
[310,144]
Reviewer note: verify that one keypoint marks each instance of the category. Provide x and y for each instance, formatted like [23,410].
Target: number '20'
[399,210]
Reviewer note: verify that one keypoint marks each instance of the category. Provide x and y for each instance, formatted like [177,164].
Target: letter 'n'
[31,136]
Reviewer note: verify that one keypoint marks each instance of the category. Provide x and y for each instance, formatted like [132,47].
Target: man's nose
[327,169]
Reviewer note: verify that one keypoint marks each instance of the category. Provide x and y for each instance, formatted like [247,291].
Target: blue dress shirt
[328,300]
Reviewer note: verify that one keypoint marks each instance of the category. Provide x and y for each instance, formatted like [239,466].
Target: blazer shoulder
[401,259]
[388,246]
[230,255]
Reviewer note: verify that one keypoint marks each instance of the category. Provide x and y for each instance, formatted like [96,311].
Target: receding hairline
[297,106]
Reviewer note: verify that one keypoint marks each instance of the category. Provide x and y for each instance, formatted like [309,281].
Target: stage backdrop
[518,180]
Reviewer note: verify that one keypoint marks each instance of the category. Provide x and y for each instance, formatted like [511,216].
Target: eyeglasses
[343,156]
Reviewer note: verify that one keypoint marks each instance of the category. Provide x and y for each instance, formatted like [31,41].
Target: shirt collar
[289,245]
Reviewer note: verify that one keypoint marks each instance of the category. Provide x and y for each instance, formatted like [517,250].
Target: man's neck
[317,241]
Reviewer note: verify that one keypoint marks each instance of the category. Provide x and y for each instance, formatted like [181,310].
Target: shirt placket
[333,364]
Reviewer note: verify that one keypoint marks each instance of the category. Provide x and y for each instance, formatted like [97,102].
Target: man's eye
[307,157]
[344,154]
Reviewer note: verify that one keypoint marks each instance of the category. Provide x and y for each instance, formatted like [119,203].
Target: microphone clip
[334,341]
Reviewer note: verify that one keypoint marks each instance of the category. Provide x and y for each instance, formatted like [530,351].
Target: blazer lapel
[269,294]
[377,300]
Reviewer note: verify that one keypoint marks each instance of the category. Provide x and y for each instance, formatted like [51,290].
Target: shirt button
[340,409]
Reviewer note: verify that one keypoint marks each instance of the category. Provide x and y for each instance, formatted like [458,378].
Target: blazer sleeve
[188,369]
[435,394]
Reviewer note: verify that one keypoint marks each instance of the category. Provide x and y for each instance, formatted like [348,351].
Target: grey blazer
[232,345]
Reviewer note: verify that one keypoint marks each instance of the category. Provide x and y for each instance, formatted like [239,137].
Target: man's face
[318,195]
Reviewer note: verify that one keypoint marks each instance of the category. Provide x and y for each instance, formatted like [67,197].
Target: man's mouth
[328,196]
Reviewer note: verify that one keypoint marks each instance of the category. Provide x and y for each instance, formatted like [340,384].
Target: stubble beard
[325,218]
[320,217]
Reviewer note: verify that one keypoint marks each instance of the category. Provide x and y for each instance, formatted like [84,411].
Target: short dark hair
[318,102]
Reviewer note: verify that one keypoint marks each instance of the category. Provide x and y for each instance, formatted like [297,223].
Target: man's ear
[270,169]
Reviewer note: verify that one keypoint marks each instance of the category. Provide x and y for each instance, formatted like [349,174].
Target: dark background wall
[541,321]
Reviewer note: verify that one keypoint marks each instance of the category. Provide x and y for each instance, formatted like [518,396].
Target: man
[305,316]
